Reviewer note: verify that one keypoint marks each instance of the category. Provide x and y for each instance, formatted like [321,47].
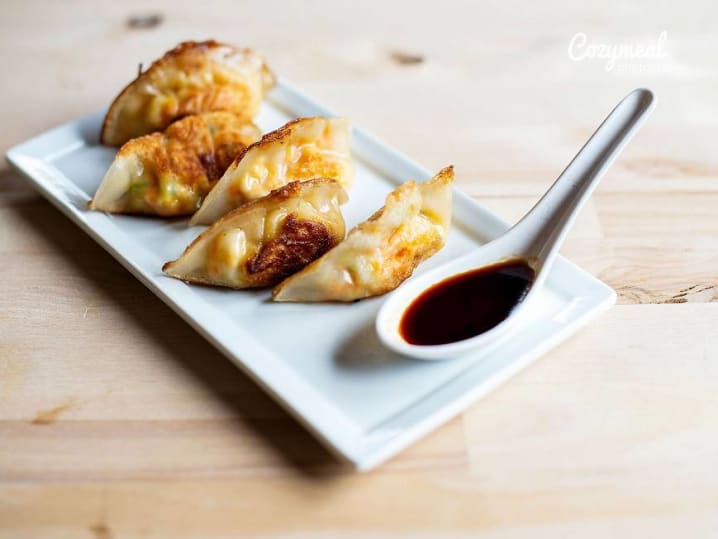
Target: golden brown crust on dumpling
[299,242]
[192,78]
[267,239]
[216,138]
[169,173]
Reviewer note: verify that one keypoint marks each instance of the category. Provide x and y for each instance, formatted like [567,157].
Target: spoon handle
[544,228]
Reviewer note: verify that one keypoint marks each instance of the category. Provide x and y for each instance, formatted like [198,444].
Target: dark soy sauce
[467,304]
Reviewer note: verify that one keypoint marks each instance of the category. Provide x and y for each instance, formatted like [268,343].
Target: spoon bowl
[536,238]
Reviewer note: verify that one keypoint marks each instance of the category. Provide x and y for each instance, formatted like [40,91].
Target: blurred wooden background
[117,420]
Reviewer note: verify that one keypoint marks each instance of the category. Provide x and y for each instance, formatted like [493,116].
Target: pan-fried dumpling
[170,173]
[302,149]
[190,79]
[263,241]
[379,253]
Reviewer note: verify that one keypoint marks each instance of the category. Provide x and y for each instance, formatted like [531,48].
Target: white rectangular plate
[323,362]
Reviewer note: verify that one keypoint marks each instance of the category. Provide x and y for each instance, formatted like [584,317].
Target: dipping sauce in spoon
[466,305]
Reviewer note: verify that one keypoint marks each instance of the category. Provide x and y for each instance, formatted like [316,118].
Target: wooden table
[117,420]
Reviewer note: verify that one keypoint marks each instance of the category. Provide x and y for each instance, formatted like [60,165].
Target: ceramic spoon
[536,238]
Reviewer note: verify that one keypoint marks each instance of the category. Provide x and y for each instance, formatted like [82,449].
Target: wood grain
[117,420]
